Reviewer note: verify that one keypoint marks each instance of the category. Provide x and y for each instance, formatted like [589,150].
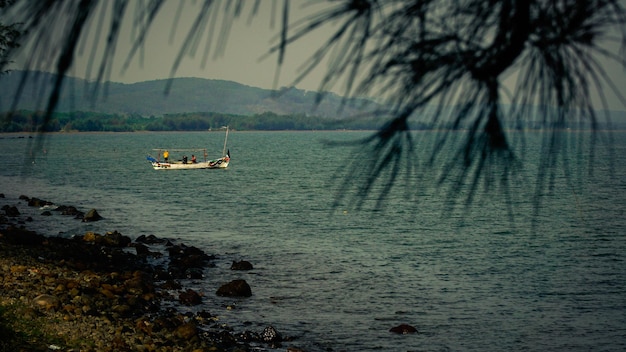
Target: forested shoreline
[32,121]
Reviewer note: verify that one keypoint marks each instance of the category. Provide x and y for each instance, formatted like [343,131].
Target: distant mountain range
[186,95]
[191,95]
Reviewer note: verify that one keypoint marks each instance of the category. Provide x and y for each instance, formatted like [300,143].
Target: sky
[244,59]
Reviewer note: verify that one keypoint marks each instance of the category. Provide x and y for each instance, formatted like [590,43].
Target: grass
[20,330]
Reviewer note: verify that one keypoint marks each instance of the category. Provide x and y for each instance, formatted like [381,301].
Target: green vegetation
[28,121]
[21,330]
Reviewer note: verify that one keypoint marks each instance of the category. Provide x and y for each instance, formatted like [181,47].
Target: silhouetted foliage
[457,54]
[414,53]
[9,35]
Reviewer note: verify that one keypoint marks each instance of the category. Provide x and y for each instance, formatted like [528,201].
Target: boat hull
[220,163]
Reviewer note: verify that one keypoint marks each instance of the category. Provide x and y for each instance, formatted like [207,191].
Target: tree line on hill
[32,121]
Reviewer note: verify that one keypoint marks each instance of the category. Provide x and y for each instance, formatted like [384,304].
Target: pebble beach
[106,292]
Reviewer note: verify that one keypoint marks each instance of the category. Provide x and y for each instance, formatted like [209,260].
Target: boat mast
[225,139]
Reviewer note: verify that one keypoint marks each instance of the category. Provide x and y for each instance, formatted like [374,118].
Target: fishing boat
[164,162]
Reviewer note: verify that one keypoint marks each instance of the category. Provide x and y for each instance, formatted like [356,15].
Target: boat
[164,162]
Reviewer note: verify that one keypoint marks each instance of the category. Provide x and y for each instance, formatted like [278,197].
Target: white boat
[163,162]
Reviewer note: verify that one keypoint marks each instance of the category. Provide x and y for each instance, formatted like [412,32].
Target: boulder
[47,302]
[190,298]
[241,265]
[171,285]
[92,215]
[140,283]
[68,210]
[150,239]
[36,202]
[403,329]
[249,336]
[11,211]
[110,239]
[193,273]
[235,288]
[116,239]
[22,236]
[144,251]
[270,335]
[187,262]
[188,256]
[186,331]
[90,236]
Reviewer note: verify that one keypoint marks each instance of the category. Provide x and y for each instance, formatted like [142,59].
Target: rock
[90,236]
[140,283]
[403,329]
[22,236]
[171,285]
[204,317]
[249,336]
[193,273]
[224,339]
[121,308]
[92,215]
[241,265]
[187,262]
[187,257]
[271,336]
[36,202]
[110,239]
[186,331]
[116,239]
[68,210]
[47,302]
[235,288]
[150,239]
[190,298]
[11,211]
[143,251]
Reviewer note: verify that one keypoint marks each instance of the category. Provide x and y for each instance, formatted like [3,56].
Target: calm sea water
[469,279]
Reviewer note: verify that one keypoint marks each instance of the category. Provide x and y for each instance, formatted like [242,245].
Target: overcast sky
[248,42]
[241,62]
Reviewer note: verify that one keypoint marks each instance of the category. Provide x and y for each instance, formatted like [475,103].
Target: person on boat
[166,155]
[193,159]
[184,159]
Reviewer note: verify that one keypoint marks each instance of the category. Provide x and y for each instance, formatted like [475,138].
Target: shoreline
[96,292]
[32,135]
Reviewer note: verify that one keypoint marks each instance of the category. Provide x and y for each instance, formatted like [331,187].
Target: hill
[197,95]
[186,95]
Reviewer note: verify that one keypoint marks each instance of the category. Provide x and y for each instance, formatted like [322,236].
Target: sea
[532,262]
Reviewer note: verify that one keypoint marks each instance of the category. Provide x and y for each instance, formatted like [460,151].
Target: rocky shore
[107,292]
